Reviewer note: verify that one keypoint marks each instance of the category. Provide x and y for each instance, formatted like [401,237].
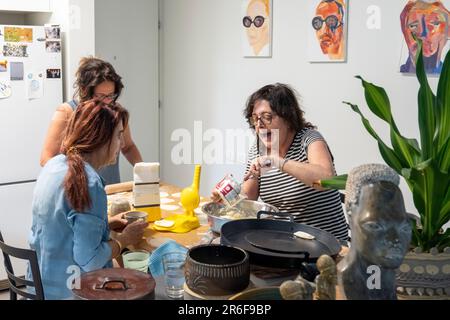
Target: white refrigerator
[30,91]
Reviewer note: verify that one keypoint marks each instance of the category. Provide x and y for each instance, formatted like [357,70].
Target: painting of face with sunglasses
[256,25]
[328,30]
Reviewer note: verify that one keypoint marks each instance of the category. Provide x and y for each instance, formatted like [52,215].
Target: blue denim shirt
[64,239]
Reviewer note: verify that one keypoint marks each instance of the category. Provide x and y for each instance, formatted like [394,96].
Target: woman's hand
[272,161]
[117,223]
[255,170]
[215,197]
[132,233]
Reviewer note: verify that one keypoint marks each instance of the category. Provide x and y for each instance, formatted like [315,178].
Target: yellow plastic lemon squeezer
[190,199]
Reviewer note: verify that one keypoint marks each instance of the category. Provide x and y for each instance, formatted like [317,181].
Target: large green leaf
[443,105]
[443,156]
[445,210]
[429,189]
[426,105]
[389,156]
[407,150]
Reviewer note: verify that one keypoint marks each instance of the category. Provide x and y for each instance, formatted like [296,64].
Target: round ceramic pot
[216,270]
[424,276]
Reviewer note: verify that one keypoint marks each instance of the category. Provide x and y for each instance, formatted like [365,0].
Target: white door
[126,34]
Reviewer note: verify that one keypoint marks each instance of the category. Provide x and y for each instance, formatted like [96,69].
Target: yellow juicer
[190,199]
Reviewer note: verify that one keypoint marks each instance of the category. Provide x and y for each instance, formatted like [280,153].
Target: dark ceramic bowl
[216,270]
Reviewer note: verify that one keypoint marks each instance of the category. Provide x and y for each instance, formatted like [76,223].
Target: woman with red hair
[70,229]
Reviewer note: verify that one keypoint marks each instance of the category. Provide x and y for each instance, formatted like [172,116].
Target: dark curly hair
[92,72]
[283,102]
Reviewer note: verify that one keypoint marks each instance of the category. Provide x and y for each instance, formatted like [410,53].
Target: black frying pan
[272,243]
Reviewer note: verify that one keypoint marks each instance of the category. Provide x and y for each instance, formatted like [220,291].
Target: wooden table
[170,204]
[170,196]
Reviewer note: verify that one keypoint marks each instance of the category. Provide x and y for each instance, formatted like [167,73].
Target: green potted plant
[425,168]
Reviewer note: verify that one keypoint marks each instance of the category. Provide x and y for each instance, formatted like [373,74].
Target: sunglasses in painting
[332,22]
[258,21]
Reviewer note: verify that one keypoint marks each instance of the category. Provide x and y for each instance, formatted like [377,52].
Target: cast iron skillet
[271,243]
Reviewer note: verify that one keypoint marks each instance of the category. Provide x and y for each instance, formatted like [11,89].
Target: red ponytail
[90,128]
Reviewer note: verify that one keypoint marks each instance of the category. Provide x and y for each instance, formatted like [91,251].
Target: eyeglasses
[258,21]
[101,96]
[332,22]
[265,117]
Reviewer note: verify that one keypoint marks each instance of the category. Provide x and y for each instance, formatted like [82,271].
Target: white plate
[169,207]
[164,223]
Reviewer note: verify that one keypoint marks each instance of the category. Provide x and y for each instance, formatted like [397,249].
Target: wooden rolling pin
[119,187]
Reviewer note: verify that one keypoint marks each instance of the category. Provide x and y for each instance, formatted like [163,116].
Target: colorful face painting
[14,34]
[327,35]
[256,26]
[430,22]
[15,50]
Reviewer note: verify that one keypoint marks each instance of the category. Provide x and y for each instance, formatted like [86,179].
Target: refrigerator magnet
[5,89]
[16,71]
[3,65]
[53,73]
[15,50]
[53,32]
[53,46]
[16,34]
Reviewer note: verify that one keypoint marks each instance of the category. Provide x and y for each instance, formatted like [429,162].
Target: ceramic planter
[424,276]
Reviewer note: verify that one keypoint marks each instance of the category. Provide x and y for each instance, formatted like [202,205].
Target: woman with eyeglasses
[95,79]
[70,231]
[257,27]
[288,157]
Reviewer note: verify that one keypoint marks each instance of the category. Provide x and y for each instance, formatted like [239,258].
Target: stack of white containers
[146,189]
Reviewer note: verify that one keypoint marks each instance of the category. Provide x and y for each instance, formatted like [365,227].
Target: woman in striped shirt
[296,156]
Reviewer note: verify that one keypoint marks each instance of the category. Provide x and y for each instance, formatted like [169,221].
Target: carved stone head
[381,228]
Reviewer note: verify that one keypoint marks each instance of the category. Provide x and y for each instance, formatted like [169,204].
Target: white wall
[205,78]
[127,36]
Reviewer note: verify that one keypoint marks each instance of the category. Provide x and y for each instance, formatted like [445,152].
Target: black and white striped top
[321,209]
